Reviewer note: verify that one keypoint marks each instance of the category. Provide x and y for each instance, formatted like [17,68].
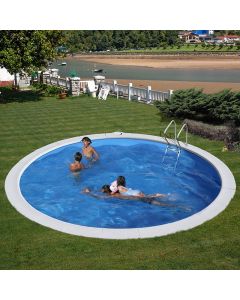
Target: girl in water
[119,186]
[120,181]
[138,196]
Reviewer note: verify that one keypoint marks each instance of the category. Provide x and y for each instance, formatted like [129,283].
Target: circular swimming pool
[197,188]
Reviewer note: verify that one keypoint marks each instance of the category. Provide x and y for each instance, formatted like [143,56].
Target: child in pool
[141,197]
[136,193]
[88,151]
[119,186]
[120,181]
[77,165]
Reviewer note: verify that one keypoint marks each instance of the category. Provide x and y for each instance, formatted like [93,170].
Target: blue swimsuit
[131,192]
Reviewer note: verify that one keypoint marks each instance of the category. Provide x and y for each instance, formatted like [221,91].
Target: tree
[28,50]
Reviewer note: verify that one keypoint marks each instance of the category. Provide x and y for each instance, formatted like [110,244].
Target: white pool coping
[12,188]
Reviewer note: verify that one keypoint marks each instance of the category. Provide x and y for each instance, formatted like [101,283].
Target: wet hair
[78,156]
[106,189]
[121,181]
[87,139]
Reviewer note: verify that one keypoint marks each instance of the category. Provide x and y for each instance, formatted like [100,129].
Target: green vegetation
[194,104]
[102,40]
[29,122]
[139,41]
[47,90]
[27,50]
[185,48]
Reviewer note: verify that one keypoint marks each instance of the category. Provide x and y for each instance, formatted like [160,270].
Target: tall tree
[27,50]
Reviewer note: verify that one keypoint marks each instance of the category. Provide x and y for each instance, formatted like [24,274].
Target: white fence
[146,95]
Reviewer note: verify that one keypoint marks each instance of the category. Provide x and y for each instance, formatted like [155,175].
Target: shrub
[213,132]
[225,106]
[47,90]
[194,104]
[183,104]
[228,132]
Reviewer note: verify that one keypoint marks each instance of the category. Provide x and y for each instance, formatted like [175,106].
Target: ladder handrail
[175,128]
[175,140]
[186,136]
[175,133]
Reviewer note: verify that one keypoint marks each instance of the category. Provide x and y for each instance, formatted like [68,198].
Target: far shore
[166,61]
[229,62]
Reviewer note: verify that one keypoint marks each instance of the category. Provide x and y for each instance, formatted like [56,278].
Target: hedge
[215,108]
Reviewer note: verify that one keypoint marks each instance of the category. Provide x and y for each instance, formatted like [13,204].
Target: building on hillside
[227,39]
[203,33]
[189,37]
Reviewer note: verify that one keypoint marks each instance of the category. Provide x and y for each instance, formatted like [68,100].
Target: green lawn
[187,48]
[26,126]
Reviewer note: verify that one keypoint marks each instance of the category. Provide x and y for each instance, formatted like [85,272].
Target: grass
[186,48]
[28,125]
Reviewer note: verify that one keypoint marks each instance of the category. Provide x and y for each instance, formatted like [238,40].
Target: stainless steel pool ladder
[173,144]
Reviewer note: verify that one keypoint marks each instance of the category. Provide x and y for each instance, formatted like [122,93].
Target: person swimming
[120,181]
[119,186]
[140,196]
[136,193]
[77,165]
[88,151]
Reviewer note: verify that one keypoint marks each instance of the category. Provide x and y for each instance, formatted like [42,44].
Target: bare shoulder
[92,149]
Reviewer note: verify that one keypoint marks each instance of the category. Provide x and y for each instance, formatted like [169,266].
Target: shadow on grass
[8,96]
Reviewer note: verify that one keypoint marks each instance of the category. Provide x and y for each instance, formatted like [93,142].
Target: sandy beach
[157,85]
[230,62]
[167,61]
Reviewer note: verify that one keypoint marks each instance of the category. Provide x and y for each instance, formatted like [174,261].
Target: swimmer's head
[78,156]
[121,181]
[106,189]
[86,139]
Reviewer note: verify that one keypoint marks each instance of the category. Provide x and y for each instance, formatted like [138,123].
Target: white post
[149,99]
[170,92]
[114,85]
[75,86]
[129,91]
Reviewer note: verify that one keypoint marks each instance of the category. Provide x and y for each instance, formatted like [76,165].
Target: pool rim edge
[14,195]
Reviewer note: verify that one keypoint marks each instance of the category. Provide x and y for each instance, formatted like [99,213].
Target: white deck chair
[103,93]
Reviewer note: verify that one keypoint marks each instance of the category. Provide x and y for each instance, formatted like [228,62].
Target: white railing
[142,94]
[146,95]
[139,92]
[83,85]
[62,82]
[122,90]
[159,96]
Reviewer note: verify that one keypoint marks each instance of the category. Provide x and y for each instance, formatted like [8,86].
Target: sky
[125,14]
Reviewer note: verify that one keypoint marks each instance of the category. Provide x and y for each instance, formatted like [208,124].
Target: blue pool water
[49,186]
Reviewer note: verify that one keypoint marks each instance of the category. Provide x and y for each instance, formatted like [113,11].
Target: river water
[84,69]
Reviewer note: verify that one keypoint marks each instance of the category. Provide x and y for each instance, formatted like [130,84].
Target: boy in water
[88,151]
[77,165]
